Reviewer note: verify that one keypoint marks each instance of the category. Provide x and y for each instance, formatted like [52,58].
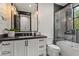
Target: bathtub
[68,48]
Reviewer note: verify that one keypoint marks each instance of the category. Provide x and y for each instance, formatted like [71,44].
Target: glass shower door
[59,25]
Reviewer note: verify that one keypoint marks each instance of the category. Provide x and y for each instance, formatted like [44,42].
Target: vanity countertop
[22,38]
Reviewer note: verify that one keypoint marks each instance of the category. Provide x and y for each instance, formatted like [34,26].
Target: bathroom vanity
[23,46]
[22,21]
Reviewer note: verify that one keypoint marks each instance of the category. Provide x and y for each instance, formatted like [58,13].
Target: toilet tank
[49,41]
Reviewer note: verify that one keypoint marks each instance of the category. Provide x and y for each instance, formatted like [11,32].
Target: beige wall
[45,20]
[5,11]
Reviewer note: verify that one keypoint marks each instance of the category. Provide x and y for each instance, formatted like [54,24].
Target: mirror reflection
[25,17]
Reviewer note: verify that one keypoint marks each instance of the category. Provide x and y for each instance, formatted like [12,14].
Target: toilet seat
[54,46]
[53,50]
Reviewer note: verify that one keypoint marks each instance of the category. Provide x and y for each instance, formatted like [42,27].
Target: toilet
[52,50]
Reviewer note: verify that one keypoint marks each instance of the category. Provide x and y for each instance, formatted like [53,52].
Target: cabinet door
[32,47]
[6,48]
[19,48]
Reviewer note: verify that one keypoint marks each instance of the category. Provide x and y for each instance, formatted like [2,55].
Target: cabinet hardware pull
[6,44]
[41,46]
[41,55]
[41,40]
[26,43]
[5,52]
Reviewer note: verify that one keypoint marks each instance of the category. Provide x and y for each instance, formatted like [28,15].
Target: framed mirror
[25,19]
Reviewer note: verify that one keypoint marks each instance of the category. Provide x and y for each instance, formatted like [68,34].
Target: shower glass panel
[76,22]
[76,11]
[69,18]
[76,17]
[64,24]
[60,20]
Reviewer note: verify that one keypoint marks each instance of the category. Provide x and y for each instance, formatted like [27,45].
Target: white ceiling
[62,4]
[25,7]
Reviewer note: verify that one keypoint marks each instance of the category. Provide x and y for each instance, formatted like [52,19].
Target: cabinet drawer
[6,53]
[6,43]
[42,47]
[6,48]
[41,42]
[42,52]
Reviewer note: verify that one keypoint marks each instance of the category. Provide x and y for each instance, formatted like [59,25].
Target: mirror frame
[30,20]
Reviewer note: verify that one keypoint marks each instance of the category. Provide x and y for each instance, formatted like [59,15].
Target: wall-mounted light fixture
[13,9]
[37,12]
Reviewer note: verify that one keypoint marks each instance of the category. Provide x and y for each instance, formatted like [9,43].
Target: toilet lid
[54,46]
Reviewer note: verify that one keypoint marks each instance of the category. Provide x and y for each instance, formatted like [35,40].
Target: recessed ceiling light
[30,5]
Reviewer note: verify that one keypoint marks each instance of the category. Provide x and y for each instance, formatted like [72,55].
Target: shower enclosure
[64,26]
[67,30]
